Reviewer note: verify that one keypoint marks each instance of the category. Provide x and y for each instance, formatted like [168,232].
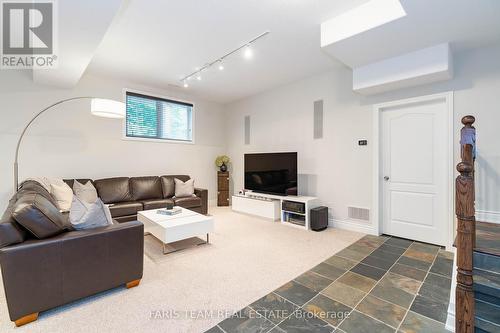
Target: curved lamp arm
[16,171]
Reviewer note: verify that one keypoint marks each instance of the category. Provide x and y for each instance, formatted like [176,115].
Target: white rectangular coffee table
[173,228]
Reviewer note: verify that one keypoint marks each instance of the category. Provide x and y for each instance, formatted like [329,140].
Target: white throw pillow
[86,192]
[184,189]
[88,216]
[62,193]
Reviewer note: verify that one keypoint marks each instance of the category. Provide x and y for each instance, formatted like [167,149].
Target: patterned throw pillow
[88,216]
[86,192]
[184,189]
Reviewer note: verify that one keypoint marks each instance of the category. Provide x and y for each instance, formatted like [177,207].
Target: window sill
[128,138]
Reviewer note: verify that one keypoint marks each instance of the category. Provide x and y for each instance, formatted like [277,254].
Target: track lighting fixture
[247,53]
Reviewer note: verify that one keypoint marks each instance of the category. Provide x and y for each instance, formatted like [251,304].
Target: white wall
[69,142]
[334,168]
[476,85]
[337,170]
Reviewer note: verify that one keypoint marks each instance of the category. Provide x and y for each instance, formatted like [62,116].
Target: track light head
[221,65]
[186,85]
[248,52]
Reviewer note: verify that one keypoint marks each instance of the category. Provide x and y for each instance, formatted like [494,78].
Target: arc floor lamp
[98,106]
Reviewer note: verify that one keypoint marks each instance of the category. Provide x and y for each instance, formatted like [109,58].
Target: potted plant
[222,161]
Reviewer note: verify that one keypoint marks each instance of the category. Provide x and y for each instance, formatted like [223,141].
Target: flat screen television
[271,173]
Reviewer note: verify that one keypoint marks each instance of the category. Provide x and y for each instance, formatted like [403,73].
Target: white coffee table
[173,228]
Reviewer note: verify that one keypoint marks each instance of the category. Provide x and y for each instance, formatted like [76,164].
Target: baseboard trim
[450,321]
[488,216]
[352,225]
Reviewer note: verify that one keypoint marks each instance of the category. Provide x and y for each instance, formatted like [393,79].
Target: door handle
[386,178]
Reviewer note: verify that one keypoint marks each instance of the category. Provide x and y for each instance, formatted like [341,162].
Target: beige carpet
[248,257]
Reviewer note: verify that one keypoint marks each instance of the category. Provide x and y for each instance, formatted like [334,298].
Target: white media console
[271,207]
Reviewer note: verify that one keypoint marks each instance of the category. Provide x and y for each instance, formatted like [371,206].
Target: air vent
[359,213]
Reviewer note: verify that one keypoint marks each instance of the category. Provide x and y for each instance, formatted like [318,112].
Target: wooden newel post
[466,234]
[468,148]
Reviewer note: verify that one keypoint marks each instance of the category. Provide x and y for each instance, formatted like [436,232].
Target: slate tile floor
[377,284]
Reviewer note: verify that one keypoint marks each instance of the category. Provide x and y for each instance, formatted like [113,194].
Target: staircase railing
[466,228]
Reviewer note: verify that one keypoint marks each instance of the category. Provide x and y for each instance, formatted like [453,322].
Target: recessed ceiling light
[186,85]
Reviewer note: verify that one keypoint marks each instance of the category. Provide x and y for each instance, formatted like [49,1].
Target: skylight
[370,15]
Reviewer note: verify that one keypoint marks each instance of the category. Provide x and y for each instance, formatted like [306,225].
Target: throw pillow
[184,189]
[88,216]
[62,193]
[86,192]
[38,215]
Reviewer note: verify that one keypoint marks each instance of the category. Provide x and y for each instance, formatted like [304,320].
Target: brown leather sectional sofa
[126,196]
[46,264]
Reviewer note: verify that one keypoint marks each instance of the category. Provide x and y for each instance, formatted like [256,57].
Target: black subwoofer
[319,218]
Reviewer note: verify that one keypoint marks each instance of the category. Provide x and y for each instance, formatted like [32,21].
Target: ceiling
[465,24]
[157,42]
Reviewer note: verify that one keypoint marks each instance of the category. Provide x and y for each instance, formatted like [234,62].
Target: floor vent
[356,213]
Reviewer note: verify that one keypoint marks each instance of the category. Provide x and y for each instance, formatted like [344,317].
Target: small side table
[222,188]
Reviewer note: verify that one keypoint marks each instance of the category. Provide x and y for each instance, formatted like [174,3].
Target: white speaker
[247,130]
[318,119]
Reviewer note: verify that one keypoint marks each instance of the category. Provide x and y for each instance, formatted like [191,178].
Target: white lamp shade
[107,108]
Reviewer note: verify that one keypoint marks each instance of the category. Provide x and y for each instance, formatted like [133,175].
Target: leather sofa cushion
[168,185]
[156,203]
[10,231]
[113,190]
[125,208]
[146,188]
[39,216]
[188,202]
[30,187]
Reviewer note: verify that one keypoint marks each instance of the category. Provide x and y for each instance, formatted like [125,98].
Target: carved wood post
[464,308]
[468,154]
[466,228]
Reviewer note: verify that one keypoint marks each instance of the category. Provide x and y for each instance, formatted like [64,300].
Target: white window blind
[157,118]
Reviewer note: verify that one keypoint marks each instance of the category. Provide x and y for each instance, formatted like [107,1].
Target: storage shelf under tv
[251,203]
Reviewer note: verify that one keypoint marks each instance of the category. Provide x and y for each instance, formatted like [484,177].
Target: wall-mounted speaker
[247,130]
[318,119]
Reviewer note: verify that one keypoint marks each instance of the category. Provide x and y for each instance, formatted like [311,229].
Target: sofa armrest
[41,274]
[203,195]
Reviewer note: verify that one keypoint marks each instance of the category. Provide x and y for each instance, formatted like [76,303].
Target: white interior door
[414,162]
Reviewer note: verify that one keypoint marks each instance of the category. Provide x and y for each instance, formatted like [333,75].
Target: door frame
[377,196]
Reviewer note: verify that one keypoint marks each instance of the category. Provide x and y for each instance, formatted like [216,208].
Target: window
[158,118]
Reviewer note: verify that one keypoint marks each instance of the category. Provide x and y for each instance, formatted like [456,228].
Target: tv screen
[272,173]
